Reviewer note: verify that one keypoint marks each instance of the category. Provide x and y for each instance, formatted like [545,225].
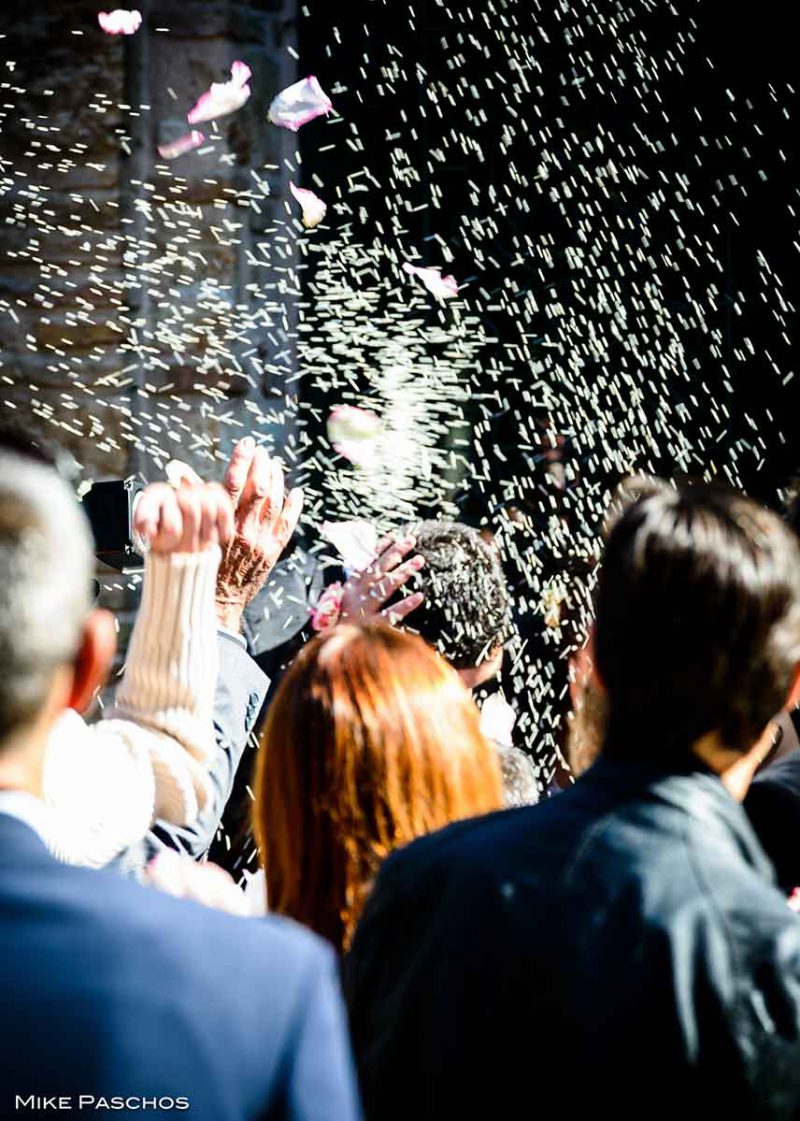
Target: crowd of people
[431,935]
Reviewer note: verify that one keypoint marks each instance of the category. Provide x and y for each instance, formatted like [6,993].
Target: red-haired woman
[371,740]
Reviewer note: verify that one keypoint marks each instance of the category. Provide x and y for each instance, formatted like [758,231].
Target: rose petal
[353,432]
[442,287]
[312,205]
[186,143]
[356,542]
[298,104]
[120,22]
[222,97]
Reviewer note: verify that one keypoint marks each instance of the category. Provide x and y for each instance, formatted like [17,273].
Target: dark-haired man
[460,604]
[621,949]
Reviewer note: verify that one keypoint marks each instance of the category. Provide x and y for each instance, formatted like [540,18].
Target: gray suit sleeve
[240,693]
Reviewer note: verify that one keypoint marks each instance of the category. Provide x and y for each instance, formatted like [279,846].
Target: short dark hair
[466,612]
[697,620]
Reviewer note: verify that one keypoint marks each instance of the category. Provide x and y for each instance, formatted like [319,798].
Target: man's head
[54,650]
[697,630]
[466,611]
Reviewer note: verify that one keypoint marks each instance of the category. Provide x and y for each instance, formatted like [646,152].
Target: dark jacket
[617,951]
[110,990]
[773,805]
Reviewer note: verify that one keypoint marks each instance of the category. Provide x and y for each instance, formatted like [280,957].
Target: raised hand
[264,520]
[186,520]
[365,593]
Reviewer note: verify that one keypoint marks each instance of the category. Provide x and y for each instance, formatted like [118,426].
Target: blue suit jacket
[110,990]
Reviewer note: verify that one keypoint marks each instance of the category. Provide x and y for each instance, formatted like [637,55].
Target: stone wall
[146,308]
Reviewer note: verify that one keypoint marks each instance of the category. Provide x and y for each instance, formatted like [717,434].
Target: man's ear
[94,658]
[582,667]
[793,696]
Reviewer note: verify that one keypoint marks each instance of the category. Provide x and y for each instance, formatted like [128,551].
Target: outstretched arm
[108,782]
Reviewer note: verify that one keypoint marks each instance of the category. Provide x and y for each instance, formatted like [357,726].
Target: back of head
[466,613]
[371,740]
[45,579]
[697,621]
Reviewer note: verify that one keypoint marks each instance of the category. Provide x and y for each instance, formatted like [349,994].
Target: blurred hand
[365,593]
[187,520]
[204,883]
[264,521]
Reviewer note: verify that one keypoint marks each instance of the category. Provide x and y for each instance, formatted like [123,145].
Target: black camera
[109,508]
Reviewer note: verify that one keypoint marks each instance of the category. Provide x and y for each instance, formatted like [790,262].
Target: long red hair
[371,740]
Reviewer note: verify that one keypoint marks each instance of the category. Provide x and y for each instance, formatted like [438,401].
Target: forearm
[172,665]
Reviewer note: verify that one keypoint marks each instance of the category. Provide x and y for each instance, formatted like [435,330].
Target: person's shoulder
[465,848]
[120,911]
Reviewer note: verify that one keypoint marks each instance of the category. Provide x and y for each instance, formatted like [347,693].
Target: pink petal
[313,207]
[298,104]
[356,542]
[186,143]
[222,97]
[120,21]
[353,432]
[240,73]
[442,287]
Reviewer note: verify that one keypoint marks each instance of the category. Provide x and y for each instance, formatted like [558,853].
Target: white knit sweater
[106,783]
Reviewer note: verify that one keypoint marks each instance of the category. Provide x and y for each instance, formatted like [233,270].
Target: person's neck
[735,768]
[22,761]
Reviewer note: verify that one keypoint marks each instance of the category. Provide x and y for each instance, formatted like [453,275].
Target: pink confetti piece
[313,207]
[298,104]
[356,542]
[186,143]
[442,287]
[329,608]
[120,22]
[353,432]
[793,902]
[223,97]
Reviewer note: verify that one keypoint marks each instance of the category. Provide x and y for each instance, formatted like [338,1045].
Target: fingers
[181,474]
[225,515]
[204,883]
[147,510]
[238,468]
[387,585]
[391,555]
[192,507]
[399,611]
[290,515]
[207,514]
[273,504]
[256,489]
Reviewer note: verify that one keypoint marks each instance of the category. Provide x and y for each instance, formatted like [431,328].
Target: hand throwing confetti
[120,21]
[223,97]
[313,207]
[299,104]
[442,287]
